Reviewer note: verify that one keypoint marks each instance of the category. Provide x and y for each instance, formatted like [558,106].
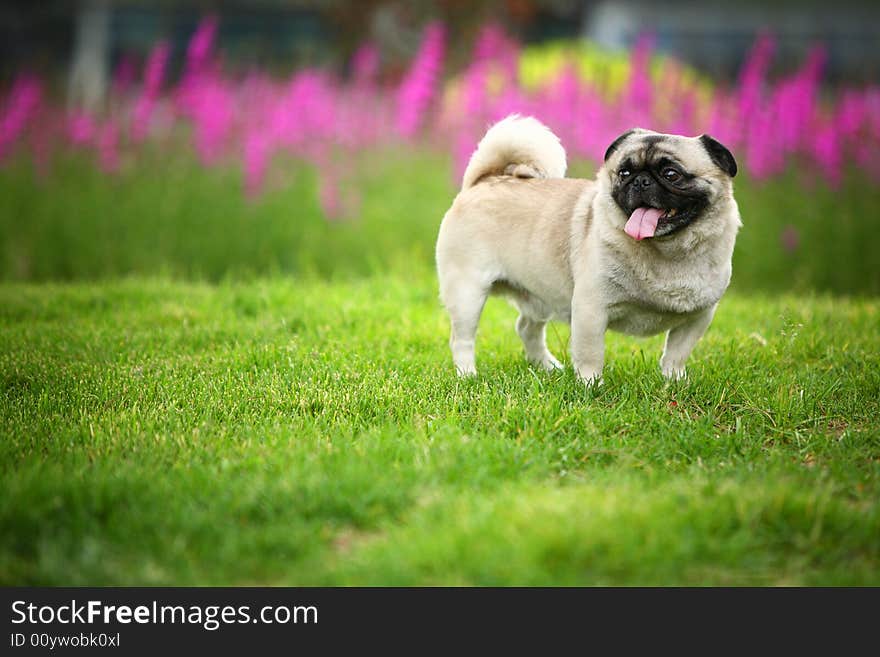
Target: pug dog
[644,248]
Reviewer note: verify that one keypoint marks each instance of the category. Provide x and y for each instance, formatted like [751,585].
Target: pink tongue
[643,223]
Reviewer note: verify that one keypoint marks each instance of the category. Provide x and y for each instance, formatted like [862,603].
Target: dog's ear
[720,155]
[617,142]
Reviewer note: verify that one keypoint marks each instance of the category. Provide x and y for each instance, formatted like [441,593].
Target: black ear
[617,143]
[720,155]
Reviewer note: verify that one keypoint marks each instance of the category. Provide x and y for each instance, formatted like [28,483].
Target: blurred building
[713,36]
[85,40]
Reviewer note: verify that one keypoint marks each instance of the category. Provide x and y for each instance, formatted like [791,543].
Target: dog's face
[663,184]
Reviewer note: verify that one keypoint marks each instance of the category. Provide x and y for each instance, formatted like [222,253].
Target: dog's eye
[671,175]
[624,173]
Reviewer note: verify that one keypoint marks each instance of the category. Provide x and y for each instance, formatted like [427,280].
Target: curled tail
[518,146]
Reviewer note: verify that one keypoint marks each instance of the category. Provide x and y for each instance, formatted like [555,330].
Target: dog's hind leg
[533,334]
[464,300]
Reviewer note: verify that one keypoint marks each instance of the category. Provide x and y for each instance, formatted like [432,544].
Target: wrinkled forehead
[650,148]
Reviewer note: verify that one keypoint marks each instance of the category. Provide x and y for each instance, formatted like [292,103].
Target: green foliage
[605,70]
[311,432]
[248,393]
[171,217]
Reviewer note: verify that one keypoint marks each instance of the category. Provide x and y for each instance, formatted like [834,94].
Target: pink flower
[328,121]
[124,75]
[20,109]
[419,86]
[154,73]
[199,50]
[641,92]
[81,129]
[790,239]
[365,63]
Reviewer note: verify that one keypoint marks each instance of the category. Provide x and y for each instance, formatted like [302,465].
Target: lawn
[167,215]
[303,431]
[197,387]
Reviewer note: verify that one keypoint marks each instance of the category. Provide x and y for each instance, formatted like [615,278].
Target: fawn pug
[643,248]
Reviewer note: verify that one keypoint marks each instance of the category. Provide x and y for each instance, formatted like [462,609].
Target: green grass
[171,217]
[199,388]
[282,431]
[167,216]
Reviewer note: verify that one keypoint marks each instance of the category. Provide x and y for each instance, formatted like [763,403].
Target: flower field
[323,118]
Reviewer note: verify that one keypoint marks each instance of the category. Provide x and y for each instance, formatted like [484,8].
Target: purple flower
[365,63]
[326,120]
[20,108]
[790,239]
[419,86]
[81,129]
[154,73]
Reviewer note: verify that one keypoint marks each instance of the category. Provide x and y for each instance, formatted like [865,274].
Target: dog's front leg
[680,342]
[588,324]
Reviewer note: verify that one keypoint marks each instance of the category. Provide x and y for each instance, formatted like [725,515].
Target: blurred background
[326,138]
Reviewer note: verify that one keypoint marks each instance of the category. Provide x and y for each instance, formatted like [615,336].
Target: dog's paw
[551,364]
[547,363]
[465,371]
[589,374]
[675,373]
[590,379]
